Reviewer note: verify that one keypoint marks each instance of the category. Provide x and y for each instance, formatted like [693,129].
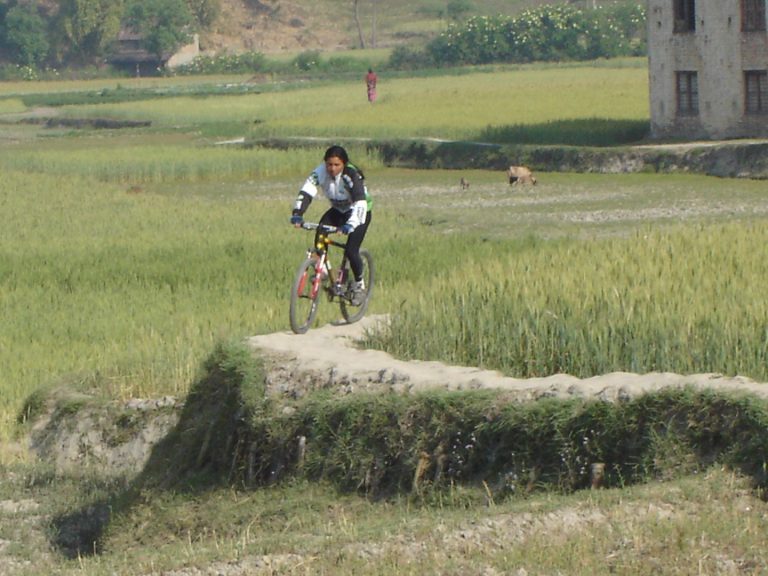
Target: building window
[752,15]
[685,15]
[687,94]
[756,92]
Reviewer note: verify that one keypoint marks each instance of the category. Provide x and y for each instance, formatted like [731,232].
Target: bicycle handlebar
[314,226]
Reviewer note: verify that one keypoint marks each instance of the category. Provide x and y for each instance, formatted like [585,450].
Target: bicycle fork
[320,273]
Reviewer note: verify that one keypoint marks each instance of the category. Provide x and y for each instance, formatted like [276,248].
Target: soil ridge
[747,158]
[329,357]
[76,431]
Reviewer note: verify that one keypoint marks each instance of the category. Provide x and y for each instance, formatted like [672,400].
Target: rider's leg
[354,241]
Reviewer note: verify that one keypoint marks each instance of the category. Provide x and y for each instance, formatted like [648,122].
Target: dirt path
[327,357]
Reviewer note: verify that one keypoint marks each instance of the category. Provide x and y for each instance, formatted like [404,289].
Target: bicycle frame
[323,266]
[316,272]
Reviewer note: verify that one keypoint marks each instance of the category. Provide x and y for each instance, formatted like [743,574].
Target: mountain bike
[316,275]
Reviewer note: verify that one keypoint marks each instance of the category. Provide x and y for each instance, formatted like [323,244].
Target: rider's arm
[359,201]
[303,200]
[359,212]
[307,193]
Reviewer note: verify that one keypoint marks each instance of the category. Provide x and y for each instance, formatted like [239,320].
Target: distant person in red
[370,81]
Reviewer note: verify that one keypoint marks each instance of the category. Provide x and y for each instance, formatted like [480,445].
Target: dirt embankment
[328,357]
[725,159]
[119,437]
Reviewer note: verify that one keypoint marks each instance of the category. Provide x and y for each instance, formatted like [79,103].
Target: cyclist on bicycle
[344,185]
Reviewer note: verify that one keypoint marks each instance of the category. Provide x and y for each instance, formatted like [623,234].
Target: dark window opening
[687,94]
[756,92]
[685,15]
[752,15]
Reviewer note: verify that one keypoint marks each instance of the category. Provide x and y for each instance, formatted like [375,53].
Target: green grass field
[455,106]
[127,255]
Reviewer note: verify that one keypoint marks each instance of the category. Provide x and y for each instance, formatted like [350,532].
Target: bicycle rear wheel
[354,312]
[305,293]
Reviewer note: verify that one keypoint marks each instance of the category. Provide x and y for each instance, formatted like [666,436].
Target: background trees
[87,27]
[164,24]
[35,34]
[23,33]
[61,33]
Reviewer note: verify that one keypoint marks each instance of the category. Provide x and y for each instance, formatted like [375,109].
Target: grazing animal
[597,472]
[520,175]
[464,183]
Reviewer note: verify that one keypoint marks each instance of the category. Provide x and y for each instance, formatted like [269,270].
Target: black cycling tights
[335,218]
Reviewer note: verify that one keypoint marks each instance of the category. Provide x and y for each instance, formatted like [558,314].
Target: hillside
[271,27]
[275,26]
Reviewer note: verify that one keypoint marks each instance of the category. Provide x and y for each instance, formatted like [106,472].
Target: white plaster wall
[185,54]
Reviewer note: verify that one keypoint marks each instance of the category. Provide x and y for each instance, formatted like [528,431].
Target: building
[708,68]
[130,53]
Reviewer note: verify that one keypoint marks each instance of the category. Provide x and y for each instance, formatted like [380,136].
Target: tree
[164,24]
[205,12]
[356,5]
[358,24]
[374,4]
[25,35]
[89,26]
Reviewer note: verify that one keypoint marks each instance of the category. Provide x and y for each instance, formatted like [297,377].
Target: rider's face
[334,166]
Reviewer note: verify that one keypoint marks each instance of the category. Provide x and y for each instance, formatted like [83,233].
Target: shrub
[406,58]
[307,60]
[547,33]
[246,63]
[383,444]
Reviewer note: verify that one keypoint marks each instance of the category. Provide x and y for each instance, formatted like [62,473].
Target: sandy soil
[329,357]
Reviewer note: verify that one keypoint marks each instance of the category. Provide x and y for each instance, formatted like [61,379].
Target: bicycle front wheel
[354,309]
[305,293]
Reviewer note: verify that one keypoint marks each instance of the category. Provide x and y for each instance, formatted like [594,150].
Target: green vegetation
[25,35]
[683,300]
[130,256]
[149,160]
[83,32]
[548,33]
[704,522]
[582,132]
[129,253]
[163,24]
[80,36]
[461,107]
[426,460]
[388,444]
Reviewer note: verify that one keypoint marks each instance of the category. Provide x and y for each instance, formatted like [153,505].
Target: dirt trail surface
[329,357]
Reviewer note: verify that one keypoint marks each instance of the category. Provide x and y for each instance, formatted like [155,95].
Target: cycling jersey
[347,193]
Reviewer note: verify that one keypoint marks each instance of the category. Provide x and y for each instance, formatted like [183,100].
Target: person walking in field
[344,185]
[370,81]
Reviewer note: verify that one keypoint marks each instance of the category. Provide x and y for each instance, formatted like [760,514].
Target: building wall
[185,54]
[720,53]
